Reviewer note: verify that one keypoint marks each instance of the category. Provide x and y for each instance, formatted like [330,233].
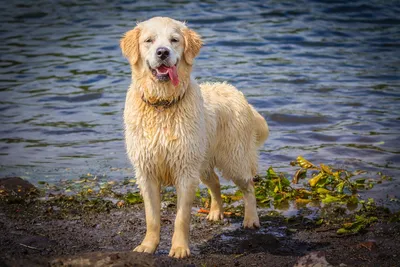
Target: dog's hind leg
[211,180]
[150,190]
[251,219]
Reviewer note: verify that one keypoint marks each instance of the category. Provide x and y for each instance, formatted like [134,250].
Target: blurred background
[325,75]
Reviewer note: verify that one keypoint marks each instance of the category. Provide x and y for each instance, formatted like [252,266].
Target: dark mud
[46,232]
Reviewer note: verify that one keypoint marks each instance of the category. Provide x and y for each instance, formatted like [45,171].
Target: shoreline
[61,231]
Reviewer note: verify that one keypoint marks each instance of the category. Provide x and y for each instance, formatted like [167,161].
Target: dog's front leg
[180,239]
[150,190]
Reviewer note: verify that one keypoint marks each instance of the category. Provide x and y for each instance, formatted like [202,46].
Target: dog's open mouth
[165,73]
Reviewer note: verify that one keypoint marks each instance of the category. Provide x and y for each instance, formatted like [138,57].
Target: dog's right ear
[130,45]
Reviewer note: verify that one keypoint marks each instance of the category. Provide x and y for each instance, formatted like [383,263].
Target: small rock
[313,259]
[16,188]
[167,204]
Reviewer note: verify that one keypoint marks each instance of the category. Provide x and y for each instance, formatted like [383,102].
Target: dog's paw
[251,223]
[179,252]
[145,248]
[215,215]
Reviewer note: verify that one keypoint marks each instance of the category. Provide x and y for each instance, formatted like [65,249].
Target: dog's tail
[261,127]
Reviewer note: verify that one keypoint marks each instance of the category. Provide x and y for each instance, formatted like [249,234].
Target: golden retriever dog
[177,131]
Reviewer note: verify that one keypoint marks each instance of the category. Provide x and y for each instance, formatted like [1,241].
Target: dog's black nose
[162,52]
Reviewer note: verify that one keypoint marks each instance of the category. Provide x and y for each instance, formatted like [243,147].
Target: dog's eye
[148,40]
[174,40]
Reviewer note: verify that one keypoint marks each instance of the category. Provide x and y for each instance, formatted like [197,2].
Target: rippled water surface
[325,75]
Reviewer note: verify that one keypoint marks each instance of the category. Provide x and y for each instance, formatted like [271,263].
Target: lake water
[325,75]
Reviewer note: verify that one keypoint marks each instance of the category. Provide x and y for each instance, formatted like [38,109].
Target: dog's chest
[158,129]
[164,133]
[154,134]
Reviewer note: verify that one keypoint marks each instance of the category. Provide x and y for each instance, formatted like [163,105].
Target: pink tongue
[173,75]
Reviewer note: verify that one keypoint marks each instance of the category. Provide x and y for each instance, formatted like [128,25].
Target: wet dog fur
[178,132]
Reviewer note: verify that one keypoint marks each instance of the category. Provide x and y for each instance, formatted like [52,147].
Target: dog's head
[161,52]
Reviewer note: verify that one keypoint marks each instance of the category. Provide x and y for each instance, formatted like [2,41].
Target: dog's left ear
[130,45]
[193,43]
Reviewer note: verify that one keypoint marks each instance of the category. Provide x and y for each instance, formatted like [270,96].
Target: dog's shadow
[273,237]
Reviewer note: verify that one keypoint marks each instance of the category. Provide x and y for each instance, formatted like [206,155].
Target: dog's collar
[163,103]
